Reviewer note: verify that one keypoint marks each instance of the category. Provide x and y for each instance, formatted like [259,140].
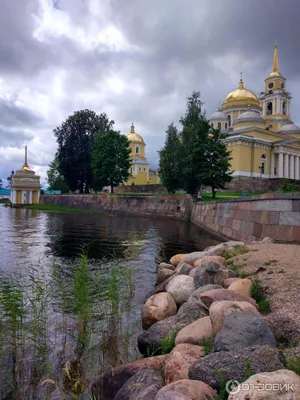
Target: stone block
[275,205]
[296,234]
[236,224]
[274,218]
[257,230]
[296,205]
[289,218]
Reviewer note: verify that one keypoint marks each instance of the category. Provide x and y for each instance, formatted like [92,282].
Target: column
[280,165]
[292,166]
[272,165]
[286,166]
[297,172]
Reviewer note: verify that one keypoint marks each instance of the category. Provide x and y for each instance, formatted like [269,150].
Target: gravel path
[277,266]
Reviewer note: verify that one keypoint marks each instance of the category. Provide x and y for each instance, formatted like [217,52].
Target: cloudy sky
[133,59]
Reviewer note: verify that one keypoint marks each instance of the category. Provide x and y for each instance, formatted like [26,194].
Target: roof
[249,116]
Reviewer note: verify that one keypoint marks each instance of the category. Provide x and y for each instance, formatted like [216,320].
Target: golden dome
[241,96]
[134,137]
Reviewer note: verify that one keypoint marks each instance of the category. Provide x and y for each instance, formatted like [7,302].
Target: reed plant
[84,296]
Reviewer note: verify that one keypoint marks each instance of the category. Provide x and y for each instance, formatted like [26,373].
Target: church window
[262,168]
[284,108]
[219,125]
[144,169]
[271,85]
[140,169]
[226,125]
[229,120]
[270,108]
[137,149]
[212,125]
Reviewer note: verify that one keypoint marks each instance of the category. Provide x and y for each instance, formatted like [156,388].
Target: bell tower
[275,100]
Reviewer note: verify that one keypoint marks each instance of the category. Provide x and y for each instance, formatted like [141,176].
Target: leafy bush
[289,187]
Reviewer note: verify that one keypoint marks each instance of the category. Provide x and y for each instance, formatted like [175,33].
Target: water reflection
[33,239]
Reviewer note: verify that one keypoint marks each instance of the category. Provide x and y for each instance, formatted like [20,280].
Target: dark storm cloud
[14,138]
[173,47]
[13,114]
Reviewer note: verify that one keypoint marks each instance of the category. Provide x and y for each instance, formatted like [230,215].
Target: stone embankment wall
[175,206]
[252,218]
[257,185]
[140,189]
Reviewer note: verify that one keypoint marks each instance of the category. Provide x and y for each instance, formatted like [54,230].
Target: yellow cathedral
[140,172]
[263,140]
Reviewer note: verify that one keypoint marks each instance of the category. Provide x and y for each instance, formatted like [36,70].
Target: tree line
[196,155]
[90,154]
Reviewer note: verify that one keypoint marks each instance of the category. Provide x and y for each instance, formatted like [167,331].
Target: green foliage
[194,135]
[111,159]
[75,138]
[257,293]
[170,160]
[168,342]
[195,157]
[207,344]
[236,251]
[214,171]
[294,364]
[287,186]
[55,180]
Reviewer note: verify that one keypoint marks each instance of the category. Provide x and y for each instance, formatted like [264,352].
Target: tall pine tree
[214,172]
[195,129]
[169,160]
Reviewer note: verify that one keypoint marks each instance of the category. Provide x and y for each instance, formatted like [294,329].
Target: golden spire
[241,84]
[132,128]
[25,165]
[275,61]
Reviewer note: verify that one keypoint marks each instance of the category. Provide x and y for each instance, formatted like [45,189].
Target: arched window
[263,163]
[219,125]
[270,108]
[284,108]
[137,149]
[226,125]
[212,125]
[229,120]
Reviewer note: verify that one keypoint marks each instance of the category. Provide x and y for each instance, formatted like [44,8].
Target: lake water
[124,251]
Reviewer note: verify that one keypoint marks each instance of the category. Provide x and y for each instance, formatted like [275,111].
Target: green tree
[55,180]
[0,183]
[75,138]
[9,180]
[195,129]
[214,171]
[169,160]
[110,159]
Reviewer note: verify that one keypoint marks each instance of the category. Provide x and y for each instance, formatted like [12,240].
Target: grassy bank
[59,209]
[226,195]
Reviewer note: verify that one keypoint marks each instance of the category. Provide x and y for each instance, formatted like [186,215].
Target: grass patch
[207,344]
[294,364]
[59,209]
[271,262]
[225,195]
[236,251]
[169,342]
[257,293]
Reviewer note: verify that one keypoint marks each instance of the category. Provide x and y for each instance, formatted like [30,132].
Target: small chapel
[263,140]
[25,186]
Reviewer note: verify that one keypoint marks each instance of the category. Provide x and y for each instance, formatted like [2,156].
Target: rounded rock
[216,259]
[195,390]
[195,332]
[175,260]
[242,286]
[158,307]
[181,288]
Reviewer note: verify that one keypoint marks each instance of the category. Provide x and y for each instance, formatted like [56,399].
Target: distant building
[262,138]
[140,172]
[25,186]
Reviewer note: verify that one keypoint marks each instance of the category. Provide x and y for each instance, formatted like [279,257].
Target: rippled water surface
[38,239]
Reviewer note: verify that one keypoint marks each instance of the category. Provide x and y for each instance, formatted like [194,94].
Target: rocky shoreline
[205,327]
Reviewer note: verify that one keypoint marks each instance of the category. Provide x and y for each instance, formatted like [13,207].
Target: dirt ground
[277,266]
